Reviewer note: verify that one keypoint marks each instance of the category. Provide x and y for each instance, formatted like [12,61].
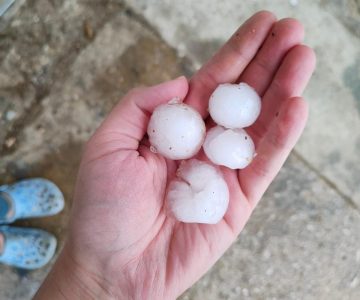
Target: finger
[239,209]
[289,81]
[158,162]
[284,35]
[274,148]
[230,61]
[127,123]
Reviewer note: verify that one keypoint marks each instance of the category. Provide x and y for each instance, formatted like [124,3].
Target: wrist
[69,280]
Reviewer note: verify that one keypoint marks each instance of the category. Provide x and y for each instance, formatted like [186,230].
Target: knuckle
[135,92]
[263,64]
[260,167]
[279,136]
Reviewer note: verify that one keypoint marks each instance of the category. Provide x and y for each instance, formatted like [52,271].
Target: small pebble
[88,30]
[9,142]
[10,115]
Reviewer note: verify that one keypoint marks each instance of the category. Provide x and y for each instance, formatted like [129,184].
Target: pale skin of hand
[122,244]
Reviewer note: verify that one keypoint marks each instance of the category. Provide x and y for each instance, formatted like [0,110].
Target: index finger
[228,63]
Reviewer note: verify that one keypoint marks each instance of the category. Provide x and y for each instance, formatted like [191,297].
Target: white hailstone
[176,130]
[232,148]
[234,105]
[199,194]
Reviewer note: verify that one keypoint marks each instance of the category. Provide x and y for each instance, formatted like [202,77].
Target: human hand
[121,243]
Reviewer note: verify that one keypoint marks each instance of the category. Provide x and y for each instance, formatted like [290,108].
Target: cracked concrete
[63,65]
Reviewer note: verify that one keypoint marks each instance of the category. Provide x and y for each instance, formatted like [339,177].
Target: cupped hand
[120,235]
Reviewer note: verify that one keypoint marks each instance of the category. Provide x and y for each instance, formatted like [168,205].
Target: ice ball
[232,148]
[176,130]
[199,193]
[234,105]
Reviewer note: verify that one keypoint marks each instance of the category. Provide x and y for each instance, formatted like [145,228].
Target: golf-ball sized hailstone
[199,193]
[176,130]
[234,105]
[232,148]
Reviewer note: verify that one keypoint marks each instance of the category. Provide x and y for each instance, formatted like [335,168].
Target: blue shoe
[26,248]
[29,198]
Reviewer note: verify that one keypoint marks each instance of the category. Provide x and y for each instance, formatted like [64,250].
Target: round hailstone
[176,130]
[199,194]
[234,105]
[232,148]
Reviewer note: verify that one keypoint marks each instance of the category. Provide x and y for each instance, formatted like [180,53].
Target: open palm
[119,223]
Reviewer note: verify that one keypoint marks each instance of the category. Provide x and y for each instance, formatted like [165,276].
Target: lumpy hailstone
[176,130]
[232,148]
[199,194]
[234,105]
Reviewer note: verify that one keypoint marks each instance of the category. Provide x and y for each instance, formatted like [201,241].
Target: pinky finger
[274,148]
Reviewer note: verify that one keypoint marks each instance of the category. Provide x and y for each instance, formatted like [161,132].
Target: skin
[1,242]
[9,215]
[121,243]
